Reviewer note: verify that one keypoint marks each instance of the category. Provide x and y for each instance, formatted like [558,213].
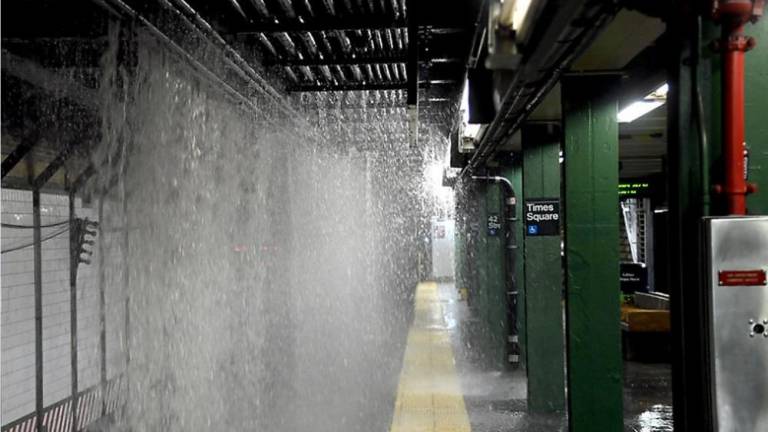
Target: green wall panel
[756,104]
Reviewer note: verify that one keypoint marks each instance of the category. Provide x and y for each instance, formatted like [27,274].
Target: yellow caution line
[429,396]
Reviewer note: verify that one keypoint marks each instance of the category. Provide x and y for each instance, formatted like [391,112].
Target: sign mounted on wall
[635,189]
[542,217]
[494,224]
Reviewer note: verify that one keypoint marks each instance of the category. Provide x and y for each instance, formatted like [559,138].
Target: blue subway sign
[494,224]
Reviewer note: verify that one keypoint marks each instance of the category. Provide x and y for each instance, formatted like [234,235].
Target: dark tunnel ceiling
[302,46]
[307,45]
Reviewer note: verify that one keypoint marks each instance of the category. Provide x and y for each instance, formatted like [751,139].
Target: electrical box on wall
[737,261]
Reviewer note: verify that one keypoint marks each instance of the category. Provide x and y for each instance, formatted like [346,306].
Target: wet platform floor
[446,386]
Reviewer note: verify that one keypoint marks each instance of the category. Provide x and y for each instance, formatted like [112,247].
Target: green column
[591,152]
[756,128]
[515,175]
[688,197]
[460,244]
[543,276]
[492,295]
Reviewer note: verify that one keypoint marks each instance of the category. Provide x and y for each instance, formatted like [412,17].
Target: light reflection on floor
[657,419]
[496,400]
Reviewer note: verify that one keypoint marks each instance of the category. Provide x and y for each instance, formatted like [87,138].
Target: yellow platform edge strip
[429,396]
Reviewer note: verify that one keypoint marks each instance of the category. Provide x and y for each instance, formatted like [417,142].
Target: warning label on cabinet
[741,277]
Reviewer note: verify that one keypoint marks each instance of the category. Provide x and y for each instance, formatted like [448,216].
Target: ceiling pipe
[357,73]
[395,71]
[398,39]
[287,8]
[497,179]
[309,43]
[369,72]
[326,71]
[379,41]
[350,8]
[395,8]
[238,8]
[307,73]
[196,21]
[346,45]
[733,15]
[287,43]
[121,9]
[412,71]
[267,44]
[326,44]
[329,7]
[551,55]
[260,6]
[340,74]
[291,75]
[388,38]
[387,75]
[308,8]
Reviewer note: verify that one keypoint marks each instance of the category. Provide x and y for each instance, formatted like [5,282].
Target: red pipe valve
[733,14]
[737,12]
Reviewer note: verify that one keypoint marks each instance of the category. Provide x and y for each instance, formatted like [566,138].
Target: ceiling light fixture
[470,130]
[640,108]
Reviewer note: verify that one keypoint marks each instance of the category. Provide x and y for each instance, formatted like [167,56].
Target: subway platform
[445,384]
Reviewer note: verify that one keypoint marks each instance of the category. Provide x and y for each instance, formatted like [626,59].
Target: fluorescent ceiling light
[470,130]
[640,108]
[520,13]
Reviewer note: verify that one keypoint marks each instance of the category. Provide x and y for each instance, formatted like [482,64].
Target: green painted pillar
[756,104]
[492,302]
[689,201]
[460,243]
[591,169]
[543,276]
[515,175]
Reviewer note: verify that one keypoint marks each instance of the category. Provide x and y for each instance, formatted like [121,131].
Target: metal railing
[91,406]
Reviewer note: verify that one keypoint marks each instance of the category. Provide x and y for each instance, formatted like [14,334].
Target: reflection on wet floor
[647,397]
[496,400]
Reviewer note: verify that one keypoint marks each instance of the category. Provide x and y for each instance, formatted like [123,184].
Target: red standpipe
[733,14]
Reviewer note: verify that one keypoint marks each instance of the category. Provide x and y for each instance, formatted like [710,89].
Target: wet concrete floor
[496,400]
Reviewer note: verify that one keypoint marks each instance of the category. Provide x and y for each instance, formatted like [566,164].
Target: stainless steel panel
[739,354]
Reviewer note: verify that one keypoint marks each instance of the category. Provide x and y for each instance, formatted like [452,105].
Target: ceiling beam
[368,86]
[347,87]
[326,25]
[19,152]
[51,82]
[52,167]
[344,25]
[341,61]
[385,59]
[412,66]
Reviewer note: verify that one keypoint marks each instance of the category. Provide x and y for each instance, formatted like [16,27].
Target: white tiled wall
[17,331]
